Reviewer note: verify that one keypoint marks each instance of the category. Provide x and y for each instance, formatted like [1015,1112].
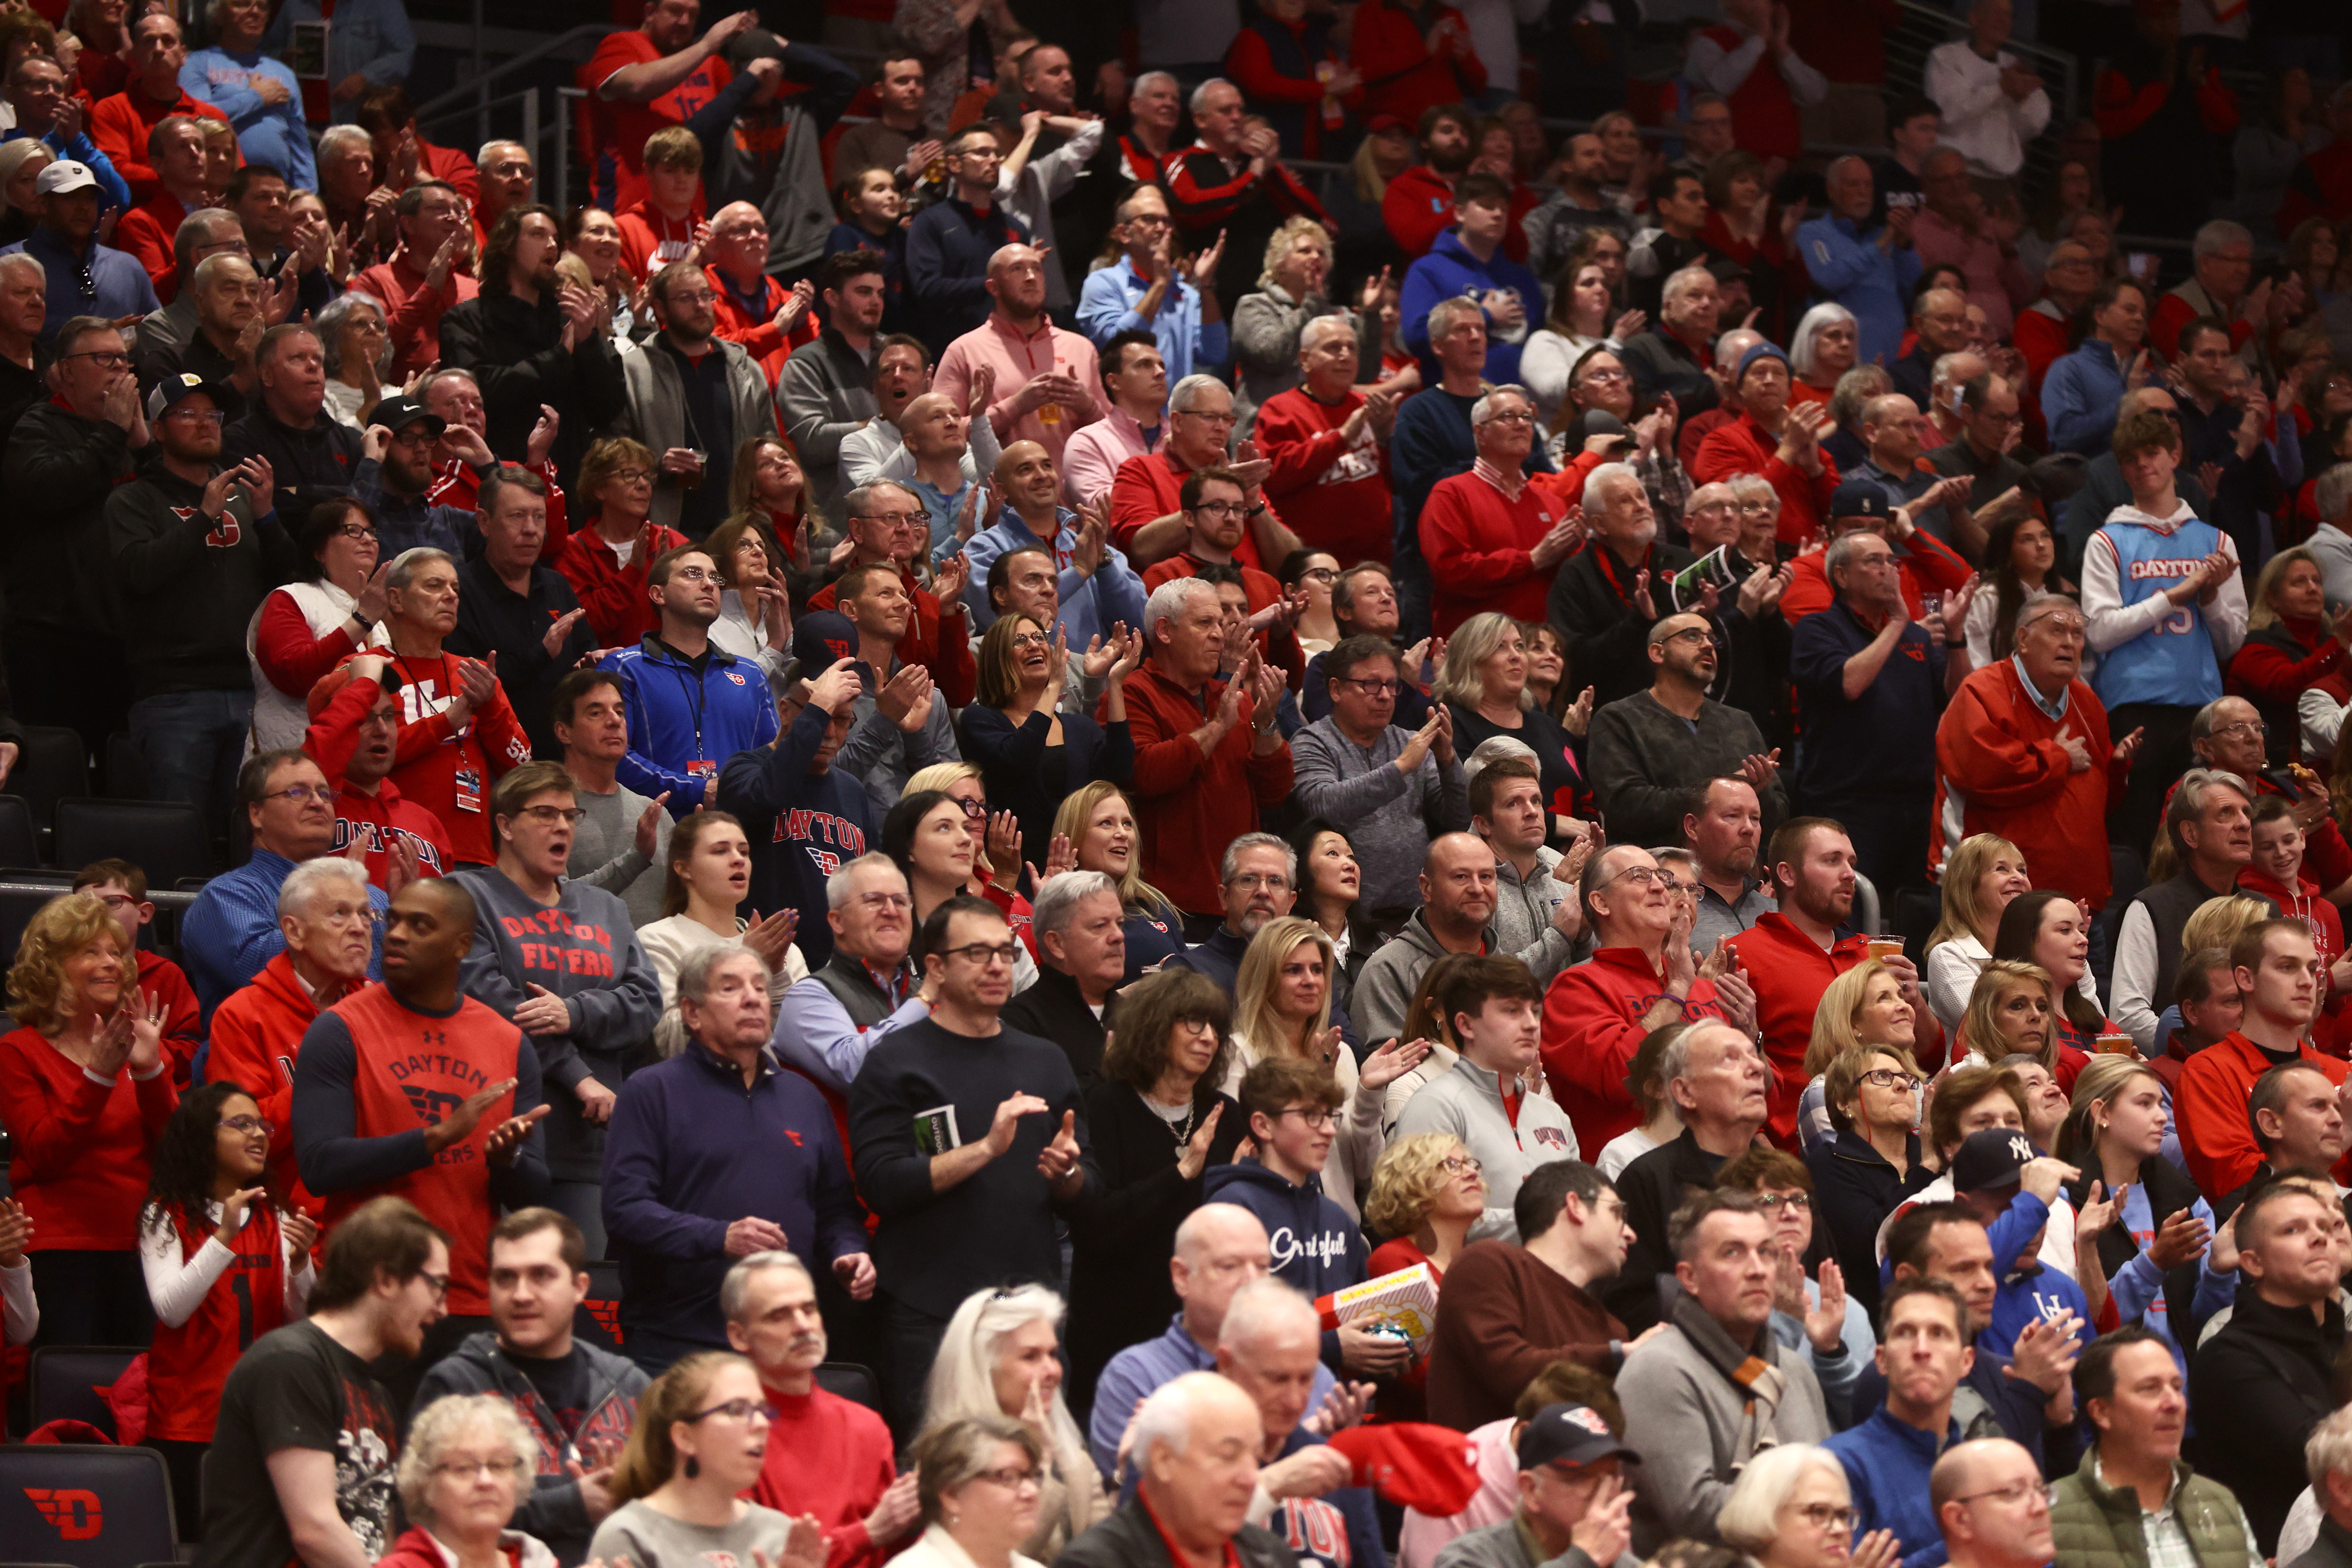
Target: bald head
[1731,345]
[1457,885]
[1989,1502]
[1220,1248]
[1016,278]
[1027,479]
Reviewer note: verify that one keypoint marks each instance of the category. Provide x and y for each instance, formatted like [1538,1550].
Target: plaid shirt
[2168,1541]
[1670,487]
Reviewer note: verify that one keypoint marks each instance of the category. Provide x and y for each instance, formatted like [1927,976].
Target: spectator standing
[1723,828]
[1669,358]
[824,389]
[86,1093]
[509,606]
[1953,231]
[1747,58]
[312,456]
[419,282]
[705,706]
[1469,260]
[1148,288]
[369,45]
[1649,747]
[821,816]
[2166,609]
[1555,224]
[2272,962]
[121,887]
[1398,789]
[1094,588]
[1327,440]
[1231,181]
[458,732]
[1045,382]
[1991,103]
[694,398]
[1492,540]
[696,1172]
[1268,323]
[646,77]
[301,1459]
[1414,59]
[260,95]
[1780,440]
[1672,243]
[1030,752]
[2164,117]
[119,123]
[86,277]
[1147,511]
[2083,391]
[1989,426]
[895,139]
[1609,591]
[1889,1455]
[621,844]
[38,92]
[951,243]
[1134,385]
[1862,261]
[757,311]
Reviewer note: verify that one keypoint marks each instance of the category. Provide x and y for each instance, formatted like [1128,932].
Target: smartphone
[2141,264]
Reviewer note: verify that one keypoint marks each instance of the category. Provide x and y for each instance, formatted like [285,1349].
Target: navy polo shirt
[1881,743]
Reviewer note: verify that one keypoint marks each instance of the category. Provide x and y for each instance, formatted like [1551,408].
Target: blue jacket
[81,149]
[272,134]
[689,1152]
[231,929]
[1448,270]
[2027,1290]
[1886,1464]
[1848,267]
[802,826]
[1316,1247]
[681,727]
[1106,305]
[2080,396]
[1089,605]
[118,285]
[948,248]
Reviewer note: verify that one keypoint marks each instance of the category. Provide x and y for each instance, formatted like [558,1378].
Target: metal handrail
[474,91]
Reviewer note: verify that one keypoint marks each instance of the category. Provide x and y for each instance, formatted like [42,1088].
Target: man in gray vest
[2133,1502]
[2209,825]
[828,1022]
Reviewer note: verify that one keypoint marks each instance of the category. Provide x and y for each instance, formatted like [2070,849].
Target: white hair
[1181,397]
[311,876]
[1682,282]
[962,1381]
[1804,343]
[1166,1419]
[1331,323]
[1483,411]
[1751,1518]
[837,886]
[409,562]
[17,259]
[738,1282]
[337,138]
[2328,1450]
[1442,314]
[2218,237]
[1146,80]
[1263,1308]
[1597,483]
[483,156]
[2333,490]
[442,1421]
[1201,94]
[1057,901]
[1166,603]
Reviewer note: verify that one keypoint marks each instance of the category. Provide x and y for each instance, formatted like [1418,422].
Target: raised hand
[1060,857]
[558,630]
[1825,1324]
[1057,1161]
[506,1140]
[770,938]
[2181,1240]
[1607,1526]
[15,1230]
[301,1231]
[458,1125]
[1390,1062]
[1195,1155]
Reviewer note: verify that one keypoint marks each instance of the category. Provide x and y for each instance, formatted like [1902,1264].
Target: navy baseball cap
[1569,1434]
[1860,498]
[821,639]
[1989,1161]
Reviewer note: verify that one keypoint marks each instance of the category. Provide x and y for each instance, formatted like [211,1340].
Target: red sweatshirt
[1592,1025]
[1789,971]
[257,1037]
[460,486]
[1147,488]
[1251,65]
[446,771]
[1479,544]
[381,817]
[830,1457]
[1189,806]
[651,240]
[2211,1104]
[2040,334]
[118,125]
[1740,446]
[1417,207]
[948,658]
[2325,922]
[184,1031]
[2264,673]
[1335,494]
[147,231]
[1999,769]
[81,1147]
[613,595]
[1405,73]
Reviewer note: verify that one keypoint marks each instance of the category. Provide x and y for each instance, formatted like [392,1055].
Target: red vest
[1763,115]
[187,1365]
[411,1069]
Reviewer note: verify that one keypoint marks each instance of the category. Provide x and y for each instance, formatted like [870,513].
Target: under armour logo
[74,1512]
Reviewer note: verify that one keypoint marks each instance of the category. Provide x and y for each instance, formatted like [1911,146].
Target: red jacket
[2040,333]
[1764,119]
[1479,545]
[184,1031]
[147,231]
[1789,971]
[1592,1025]
[257,1037]
[1740,446]
[1404,72]
[1418,207]
[451,167]
[384,816]
[650,240]
[1335,494]
[1931,563]
[412,311]
[81,1147]
[118,125]
[2263,673]
[613,595]
[1999,769]
[858,1469]
[947,657]
[1189,806]
[756,331]
[1147,488]
[446,771]
[2211,1105]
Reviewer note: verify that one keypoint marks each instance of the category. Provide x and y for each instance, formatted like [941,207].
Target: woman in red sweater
[1426,1194]
[605,560]
[306,628]
[2291,645]
[85,1091]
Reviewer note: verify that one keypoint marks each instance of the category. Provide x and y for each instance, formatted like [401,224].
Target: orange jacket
[2211,1104]
[256,1035]
[1592,1025]
[1999,769]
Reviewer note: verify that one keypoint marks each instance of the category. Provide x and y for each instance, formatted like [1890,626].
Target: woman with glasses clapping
[468,1463]
[980,1485]
[1791,1508]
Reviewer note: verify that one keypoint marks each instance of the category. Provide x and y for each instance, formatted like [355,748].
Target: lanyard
[1607,559]
[697,696]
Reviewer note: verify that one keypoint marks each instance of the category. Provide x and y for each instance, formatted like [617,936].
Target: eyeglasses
[355,530]
[694,575]
[1309,1116]
[1887,1078]
[366,914]
[1827,1516]
[261,1124]
[1011,1478]
[1690,635]
[548,815]
[1643,875]
[504,1469]
[736,1410]
[977,810]
[1373,688]
[981,954]
[1460,1164]
[1773,1203]
[1322,574]
[107,359]
[437,1283]
[884,901]
[1031,639]
[628,476]
[1603,372]
[2252,728]
[2016,1492]
[1253,880]
[1511,417]
[894,519]
[299,794]
[197,416]
[1219,509]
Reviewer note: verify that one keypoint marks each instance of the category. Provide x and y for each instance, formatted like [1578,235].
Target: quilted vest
[2098,1526]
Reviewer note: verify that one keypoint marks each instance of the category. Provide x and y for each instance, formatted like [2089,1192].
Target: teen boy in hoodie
[2167,611]
[1468,261]
[560,959]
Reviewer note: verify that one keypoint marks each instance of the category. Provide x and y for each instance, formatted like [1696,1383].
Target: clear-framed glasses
[1460,1165]
[895,518]
[1827,1516]
[694,575]
[982,954]
[2016,1492]
[1888,1078]
[1011,1478]
[886,902]
[1513,417]
[261,1124]
[1031,639]
[2252,728]
[548,815]
[1271,881]
[737,1410]
[504,1467]
[1643,875]
[197,416]
[346,914]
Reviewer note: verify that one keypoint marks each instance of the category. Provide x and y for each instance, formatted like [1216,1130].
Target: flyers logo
[735,676]
[431,1104]
[74,1512]
[607,1315]
[226,531]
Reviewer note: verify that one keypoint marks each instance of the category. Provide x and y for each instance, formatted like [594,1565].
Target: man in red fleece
[149,230]
[1493,540]
[1214,504]
[826,1456]
[2023,752]
[119,124]
[1774,439]
[1791,955]
[1643,975]
[1419,203]
[257,1033]
[355,725]
[2278,975]
[1147,520]
[887,525]
[1207,753]
[122,887]
[432,270]
[1328,443]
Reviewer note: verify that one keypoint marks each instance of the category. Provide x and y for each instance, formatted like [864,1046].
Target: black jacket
[2259,1387]
[1591,601]
[494,618]
[1053,1010]
[190,586]
[1119,1290]
[1128,1539]
[1653,1187]
[307,466]
[516,350]
[58,472]
[1854,1189]
[804,826]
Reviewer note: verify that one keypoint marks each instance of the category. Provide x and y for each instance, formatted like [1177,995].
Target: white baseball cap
[64,174]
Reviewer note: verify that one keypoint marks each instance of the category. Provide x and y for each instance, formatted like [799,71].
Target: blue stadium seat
[68,1381]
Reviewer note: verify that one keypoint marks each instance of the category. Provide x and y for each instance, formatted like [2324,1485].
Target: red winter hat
[1413,1463]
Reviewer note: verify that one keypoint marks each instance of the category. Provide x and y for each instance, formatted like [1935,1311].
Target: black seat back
[85,1505]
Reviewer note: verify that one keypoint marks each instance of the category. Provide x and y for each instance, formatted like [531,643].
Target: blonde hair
[60,928]
[2102,1078]
[2220,922]
[1407,1181]
[439,1424]
[1255,1019]
[1286,239]
[2261,615]
[1474,642]
[940,777]
[962,1381]
[1834,1030]
[1962,871]
[1135,895]
[1980,1031]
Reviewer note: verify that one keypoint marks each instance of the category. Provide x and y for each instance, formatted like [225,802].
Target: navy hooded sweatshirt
[802,826]
[1315,1245]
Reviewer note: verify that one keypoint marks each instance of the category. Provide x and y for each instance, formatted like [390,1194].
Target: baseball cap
[1725,270]
[821,638]
[173,389]
[399,413]
[752,44]
[64,174]
[1860,498]
[1380,122]
[1990,1160]
[1570,1434]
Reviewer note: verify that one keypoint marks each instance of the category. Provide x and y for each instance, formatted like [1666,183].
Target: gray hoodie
[1468,1102]
[1390,816]
[584,949]
[882,756]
